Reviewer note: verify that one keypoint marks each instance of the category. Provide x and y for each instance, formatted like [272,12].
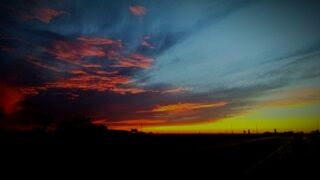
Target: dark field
[284,153]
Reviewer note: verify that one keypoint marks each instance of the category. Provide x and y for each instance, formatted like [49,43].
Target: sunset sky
[163,66]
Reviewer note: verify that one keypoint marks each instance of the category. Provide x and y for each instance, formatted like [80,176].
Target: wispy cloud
[146,42]
[175,90]
[43,14]
[185,107]
[138,10]
[135,60]
[74,51]
[101,41]
[290,96]
[88,82]
[37,62]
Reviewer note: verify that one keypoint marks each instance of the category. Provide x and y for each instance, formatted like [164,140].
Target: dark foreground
[228,155]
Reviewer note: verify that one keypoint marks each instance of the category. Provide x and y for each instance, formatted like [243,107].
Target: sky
[183,66]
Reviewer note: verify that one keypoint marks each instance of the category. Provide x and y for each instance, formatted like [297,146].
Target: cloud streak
[135,60]
[43,14]
[185,107]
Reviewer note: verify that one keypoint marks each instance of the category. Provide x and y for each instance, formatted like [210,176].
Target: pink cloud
[100,41]
[73,51]
[145,42]
[138,10]
[90,76]
[85,81]
[135,60]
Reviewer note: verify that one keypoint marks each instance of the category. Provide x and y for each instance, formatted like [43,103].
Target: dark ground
[229,155]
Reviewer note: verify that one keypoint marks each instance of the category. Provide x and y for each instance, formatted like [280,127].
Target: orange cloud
[185,107]
[89,75]
[10,99]
[128,124]
[100,41]
[138,10]
[135,60]
[89,82]
[77,72]
[121,90]
[73,52]
[84,81]
[43,14]
[99,122]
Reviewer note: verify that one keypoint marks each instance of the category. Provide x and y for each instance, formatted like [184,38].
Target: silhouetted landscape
[79,140]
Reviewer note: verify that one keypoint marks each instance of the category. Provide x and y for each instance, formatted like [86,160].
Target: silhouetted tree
[1,115]
[80,129]
[44,119]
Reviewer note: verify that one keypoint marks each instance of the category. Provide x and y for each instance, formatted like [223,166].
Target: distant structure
[244,131]
[275,131]
[134,131]
[248,131]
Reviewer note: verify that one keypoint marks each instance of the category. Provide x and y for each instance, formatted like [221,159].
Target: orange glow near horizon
[295,110]
[184,107]
[129,124]
[265,119]
[9,99]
